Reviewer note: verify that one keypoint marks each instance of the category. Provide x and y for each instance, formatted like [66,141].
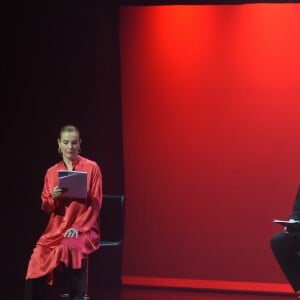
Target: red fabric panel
[211,137]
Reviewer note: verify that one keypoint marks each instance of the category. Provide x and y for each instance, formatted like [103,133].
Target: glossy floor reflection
[174,294]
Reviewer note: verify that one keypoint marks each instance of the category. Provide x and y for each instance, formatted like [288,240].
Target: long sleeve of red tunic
[52,248]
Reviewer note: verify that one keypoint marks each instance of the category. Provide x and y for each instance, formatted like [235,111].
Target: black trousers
[35,289]
[285,247]
[74,284]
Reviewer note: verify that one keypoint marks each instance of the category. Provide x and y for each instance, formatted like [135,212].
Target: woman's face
[69,144]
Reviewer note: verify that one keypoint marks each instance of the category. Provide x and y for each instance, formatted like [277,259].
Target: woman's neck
[69,164]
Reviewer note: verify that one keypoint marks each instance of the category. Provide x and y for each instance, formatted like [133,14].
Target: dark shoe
[67,297]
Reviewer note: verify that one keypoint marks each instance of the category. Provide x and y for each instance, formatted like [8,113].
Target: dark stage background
[61,66]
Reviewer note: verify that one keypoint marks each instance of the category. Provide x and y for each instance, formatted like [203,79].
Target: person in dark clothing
[285,246]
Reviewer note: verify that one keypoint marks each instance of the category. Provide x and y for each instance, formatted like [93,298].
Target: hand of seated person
[71,233]
[57,192]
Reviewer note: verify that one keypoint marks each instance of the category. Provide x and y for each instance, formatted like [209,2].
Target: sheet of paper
[74,183]
[291,226]
[286,221]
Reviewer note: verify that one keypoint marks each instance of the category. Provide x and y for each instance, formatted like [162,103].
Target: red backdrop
[211,120]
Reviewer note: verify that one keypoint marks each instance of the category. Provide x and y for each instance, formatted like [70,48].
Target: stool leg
[86,296]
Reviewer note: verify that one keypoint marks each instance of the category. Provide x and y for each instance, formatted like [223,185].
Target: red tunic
[52,248]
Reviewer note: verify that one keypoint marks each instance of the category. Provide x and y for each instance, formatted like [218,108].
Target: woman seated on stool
[72,232]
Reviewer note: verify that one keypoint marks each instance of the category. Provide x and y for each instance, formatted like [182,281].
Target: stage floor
[130,293]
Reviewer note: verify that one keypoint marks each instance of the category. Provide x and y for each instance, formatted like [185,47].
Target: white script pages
[290,224]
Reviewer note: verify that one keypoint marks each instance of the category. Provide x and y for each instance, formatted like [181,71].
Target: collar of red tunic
[74,163]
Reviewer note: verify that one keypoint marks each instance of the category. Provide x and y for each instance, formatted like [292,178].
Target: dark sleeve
[296,206]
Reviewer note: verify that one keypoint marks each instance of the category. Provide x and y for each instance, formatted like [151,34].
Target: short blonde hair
[68,128]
